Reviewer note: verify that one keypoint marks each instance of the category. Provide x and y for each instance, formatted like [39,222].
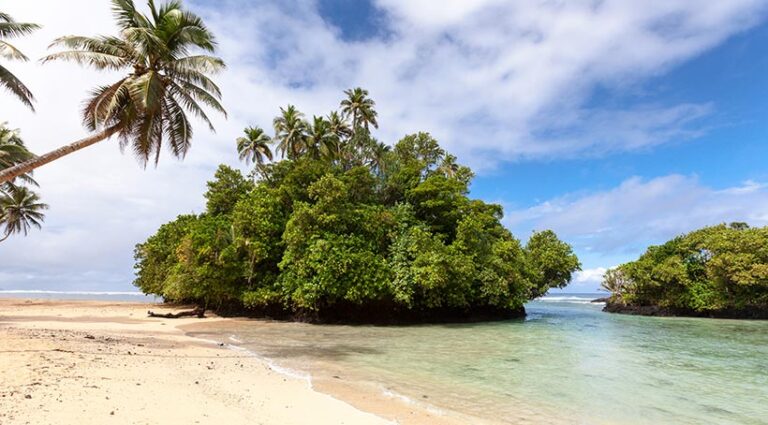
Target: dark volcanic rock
[652,310]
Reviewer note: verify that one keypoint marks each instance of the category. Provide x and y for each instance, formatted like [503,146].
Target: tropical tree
[614,281]
[360,107]
[378,156]
[20,210]
[339,125]
[320,141]
[165,81]
[13,151]
[290,130]
[12,29]
[254,146]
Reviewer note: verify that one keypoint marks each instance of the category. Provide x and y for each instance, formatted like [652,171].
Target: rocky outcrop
[652,310]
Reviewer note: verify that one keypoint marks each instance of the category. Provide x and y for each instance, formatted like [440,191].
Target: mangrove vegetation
[718,271]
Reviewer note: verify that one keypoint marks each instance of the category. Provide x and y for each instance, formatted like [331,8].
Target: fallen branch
[199,312]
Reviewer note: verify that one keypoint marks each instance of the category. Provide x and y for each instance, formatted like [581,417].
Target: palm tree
[20,209]
[11,29]
[449,167]
[339,126]
[165,81]
[290,130]
[13,151]
[320,141]
[254,147]
[361,108]
[377,157]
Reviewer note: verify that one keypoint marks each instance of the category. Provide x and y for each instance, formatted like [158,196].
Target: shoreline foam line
[307,377]
[40,291]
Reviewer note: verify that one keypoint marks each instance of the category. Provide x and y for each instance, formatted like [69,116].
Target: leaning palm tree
[20,210]
[254,146]
[290,128]
[320,141]
[12,29]
[360,107]
[165,81]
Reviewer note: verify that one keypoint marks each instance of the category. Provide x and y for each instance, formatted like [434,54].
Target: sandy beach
[84,362]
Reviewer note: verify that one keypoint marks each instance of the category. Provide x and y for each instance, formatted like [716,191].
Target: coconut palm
[449,167]
[254,147]
[339,126]
[20,210]
[320,141]
[377,155]
[290,130]
[360,107]
[13,151]
[12,29]
[166,80]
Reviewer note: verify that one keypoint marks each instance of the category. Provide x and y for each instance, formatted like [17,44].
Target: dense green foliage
[718,268]
[348,228]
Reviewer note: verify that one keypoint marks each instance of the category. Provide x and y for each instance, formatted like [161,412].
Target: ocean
[128,296]
[566,362]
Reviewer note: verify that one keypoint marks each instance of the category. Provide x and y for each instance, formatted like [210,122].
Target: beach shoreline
[83,362]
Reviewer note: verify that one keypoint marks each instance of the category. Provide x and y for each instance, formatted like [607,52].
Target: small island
[347,229]
[718,271]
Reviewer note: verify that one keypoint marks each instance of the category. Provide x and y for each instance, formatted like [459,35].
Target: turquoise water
[567,362]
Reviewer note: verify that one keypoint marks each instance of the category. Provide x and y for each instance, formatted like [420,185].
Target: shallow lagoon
[566,362]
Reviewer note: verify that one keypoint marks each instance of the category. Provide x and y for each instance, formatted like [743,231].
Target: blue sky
[617,124]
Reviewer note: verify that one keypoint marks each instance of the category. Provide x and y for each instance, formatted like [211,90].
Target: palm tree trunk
[25,167]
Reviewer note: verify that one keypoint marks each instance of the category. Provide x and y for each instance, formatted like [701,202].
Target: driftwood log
[199,312]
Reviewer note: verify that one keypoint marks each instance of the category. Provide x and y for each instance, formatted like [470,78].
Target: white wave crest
[568,299]
[39,291]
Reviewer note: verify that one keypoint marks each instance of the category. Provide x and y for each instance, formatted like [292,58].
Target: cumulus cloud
[587,280]
[494,80]
[639,212]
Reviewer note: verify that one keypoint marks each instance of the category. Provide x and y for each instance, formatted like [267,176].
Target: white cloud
[587,280]
[494,80]
[610,227]
[639,212]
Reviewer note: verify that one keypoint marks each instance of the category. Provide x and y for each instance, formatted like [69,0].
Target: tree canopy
[719,270]
[347,228]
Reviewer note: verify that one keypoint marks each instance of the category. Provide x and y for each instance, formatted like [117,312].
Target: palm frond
[12,29]
[178,129]
[8,51]
[190,104]
[99,52]
[16,87]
